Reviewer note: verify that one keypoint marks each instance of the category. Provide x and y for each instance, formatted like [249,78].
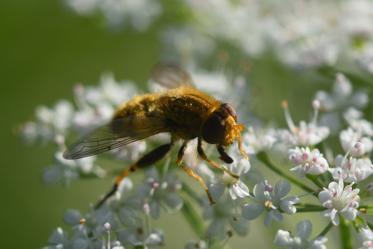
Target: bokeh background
[45,49]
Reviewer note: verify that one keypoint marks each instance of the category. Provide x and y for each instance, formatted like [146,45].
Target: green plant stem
[315,181]
[306,207]
[262,156]
[326,229]
[345,235]
[194,220]
[191,193]
[310,209]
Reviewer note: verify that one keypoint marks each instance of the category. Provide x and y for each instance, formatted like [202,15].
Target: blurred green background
[44,50]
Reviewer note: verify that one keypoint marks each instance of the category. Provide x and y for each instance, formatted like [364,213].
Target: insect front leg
[223,155]
[214,164]
[191,173]
[147,160]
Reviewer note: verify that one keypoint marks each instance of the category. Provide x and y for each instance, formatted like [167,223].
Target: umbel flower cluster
[301,33]
[314,177]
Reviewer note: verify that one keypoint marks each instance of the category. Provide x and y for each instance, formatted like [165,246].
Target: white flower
[137,237]
[50,123]
[67,170]
[307,161]
[158,191]
[366,238]
[272,201]
[342,96]
[137,14]
[352,169]
[306,134]
[239,167]
[58,238]
[256,140]
[364,57]
[238,190]
[196,245]
[301,240]
[340,200]
[364,127]
[96,105]
[225,215]
[354,143]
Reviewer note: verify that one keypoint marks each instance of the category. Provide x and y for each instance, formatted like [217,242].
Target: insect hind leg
[191,173]
[146,160]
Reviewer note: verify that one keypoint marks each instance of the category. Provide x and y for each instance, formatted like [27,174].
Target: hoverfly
[182,111]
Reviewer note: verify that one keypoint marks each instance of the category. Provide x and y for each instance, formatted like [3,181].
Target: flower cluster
[136,14]
[317,175]
[124,220]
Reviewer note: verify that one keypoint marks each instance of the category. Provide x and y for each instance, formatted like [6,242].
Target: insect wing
[117,133]
[171,76]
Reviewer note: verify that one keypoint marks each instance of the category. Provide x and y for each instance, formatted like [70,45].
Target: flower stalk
[262,156]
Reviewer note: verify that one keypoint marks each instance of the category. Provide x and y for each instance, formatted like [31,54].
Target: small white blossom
[363,126]
[239,167]
[366,238]
[58,238]
[306,134]
[256,140]
[137,14]
[271,201]
[284,239]
[354,143]
[196,245]
[50,123]
[225,216]
[340,200]
[307,161]
[139,238]
[67,170]
[341,100]
[158,191]
[352,169]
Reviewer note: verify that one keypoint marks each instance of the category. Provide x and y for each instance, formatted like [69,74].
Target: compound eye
[229,109]
[213,129]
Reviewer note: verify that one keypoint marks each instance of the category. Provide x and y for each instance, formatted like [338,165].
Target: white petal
[324,196]
[272,215]
[174,201]
[216,229]
[72,217]
[282,188]
[252,211]
[79,243]
[154,239]
[216,190]
[304,229]
[283,238]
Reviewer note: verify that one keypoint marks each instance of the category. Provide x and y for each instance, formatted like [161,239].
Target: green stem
[191,193]
[310,209]
[193,219]
[326,230]
[262,156]
[345,235]
[315,180]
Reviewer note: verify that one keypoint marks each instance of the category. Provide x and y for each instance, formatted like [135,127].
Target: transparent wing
[117,133]
[170,76]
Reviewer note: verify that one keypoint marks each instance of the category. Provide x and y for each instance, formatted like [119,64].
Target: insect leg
[147,160]
[214,164]
[191,173]
[223,155]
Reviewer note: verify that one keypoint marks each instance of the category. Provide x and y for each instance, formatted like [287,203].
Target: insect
[181,110]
